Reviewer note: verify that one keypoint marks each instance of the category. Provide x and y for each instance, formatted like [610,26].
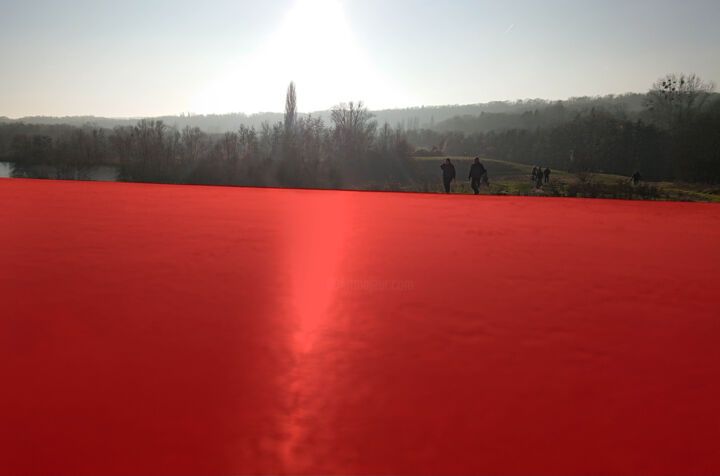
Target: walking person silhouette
[448,174]
[477,172]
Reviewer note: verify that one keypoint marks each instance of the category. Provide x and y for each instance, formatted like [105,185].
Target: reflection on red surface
[314,250]
[159,329]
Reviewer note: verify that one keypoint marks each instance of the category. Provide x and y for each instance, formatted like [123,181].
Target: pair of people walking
[539,175]
[477,174]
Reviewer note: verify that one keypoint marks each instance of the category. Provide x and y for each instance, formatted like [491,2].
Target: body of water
[103,173]
[5,169]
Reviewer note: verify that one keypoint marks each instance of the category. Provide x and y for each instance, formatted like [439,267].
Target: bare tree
[193,141]
[248,142]
[290,109]
[228,147]
[354,128]
[674,98]
[385,137]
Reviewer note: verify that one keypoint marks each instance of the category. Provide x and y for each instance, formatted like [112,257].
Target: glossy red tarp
[163,329]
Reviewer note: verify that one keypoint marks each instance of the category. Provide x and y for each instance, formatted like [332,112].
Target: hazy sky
[151,57]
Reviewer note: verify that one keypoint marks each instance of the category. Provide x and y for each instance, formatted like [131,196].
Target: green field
[512,178]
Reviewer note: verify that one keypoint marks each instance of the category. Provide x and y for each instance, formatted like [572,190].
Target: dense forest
[670,133]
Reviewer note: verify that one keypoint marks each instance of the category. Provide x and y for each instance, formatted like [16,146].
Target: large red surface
[161,329]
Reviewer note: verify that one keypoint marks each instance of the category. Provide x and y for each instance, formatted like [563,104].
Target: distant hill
[429,117]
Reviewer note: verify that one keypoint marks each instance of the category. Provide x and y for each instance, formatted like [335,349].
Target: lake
[102,173]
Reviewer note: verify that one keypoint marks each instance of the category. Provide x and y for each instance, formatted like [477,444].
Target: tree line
[351,151]
[674,134]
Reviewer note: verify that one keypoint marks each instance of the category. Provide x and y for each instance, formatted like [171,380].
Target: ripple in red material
[161,329]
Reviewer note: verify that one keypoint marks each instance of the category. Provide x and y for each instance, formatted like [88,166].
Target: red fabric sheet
[162,329]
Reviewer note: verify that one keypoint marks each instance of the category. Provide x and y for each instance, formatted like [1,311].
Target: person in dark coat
[547,174]
[635,178]
[539,177]
[477,172]
[448,174]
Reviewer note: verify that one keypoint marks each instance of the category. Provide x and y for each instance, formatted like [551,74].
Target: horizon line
[250,114]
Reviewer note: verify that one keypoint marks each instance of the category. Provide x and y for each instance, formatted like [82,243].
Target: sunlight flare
[313,46]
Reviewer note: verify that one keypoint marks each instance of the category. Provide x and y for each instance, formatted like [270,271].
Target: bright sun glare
[313,46]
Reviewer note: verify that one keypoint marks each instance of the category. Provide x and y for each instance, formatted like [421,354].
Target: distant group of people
[477,175]
[539,175]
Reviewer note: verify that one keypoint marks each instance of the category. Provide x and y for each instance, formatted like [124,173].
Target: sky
[140,58]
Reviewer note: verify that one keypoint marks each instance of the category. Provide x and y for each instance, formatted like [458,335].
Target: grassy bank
[511,178]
